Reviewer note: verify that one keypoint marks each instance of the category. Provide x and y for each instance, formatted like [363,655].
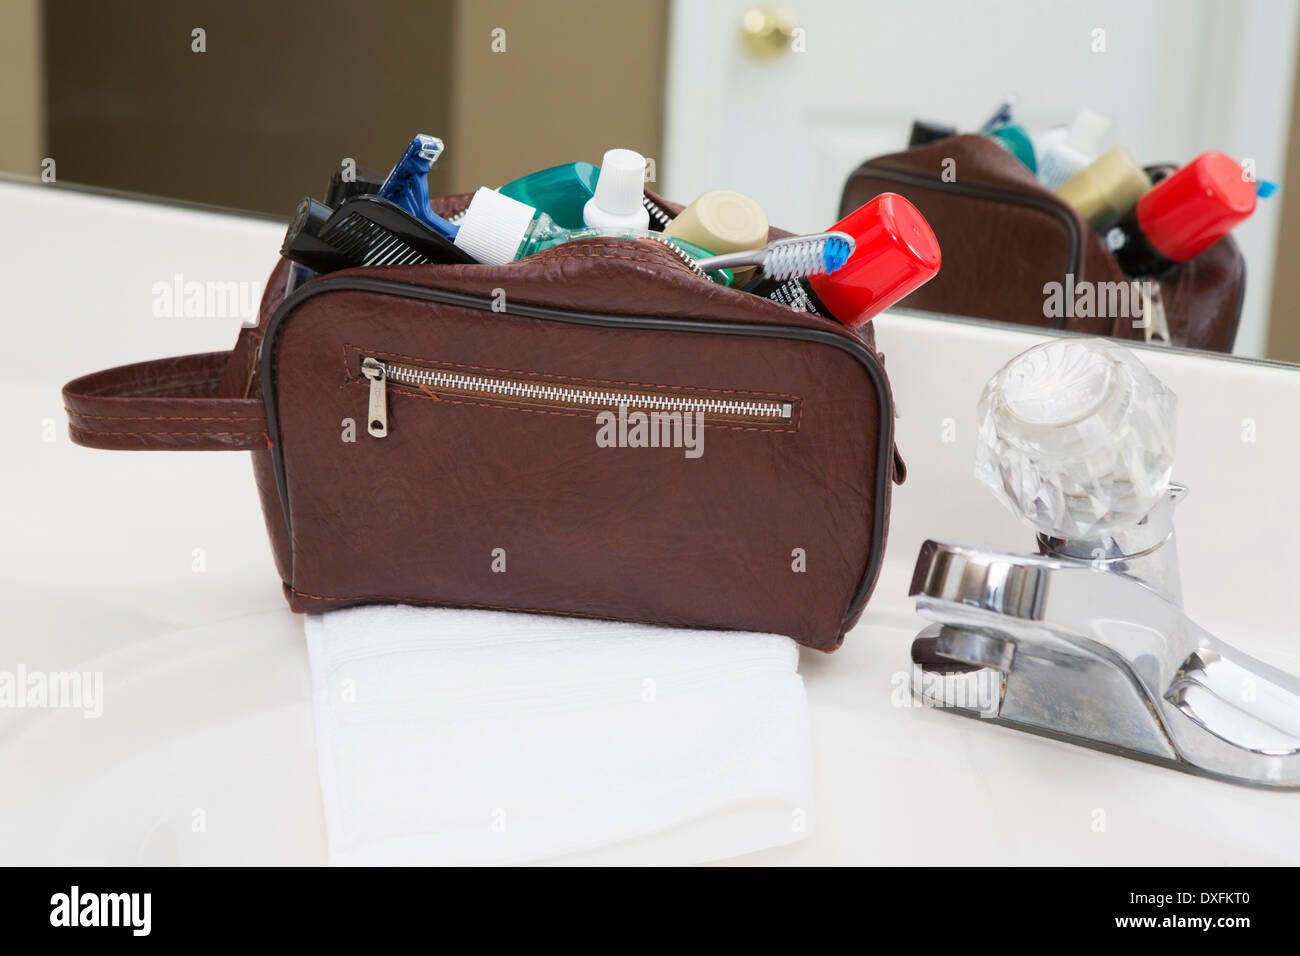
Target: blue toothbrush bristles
[837,253]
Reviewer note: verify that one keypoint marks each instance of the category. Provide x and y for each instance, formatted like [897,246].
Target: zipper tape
[573,396]
[381,368]
[865,357]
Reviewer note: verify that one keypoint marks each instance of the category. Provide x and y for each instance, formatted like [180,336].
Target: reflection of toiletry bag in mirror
[1005,238]
[476,436]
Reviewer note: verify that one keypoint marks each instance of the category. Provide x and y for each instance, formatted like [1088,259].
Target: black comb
[374,232]
[364,231]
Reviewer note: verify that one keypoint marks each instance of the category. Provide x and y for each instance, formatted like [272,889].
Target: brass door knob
[767,32]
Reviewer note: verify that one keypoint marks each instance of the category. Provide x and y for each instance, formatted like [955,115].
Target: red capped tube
[1183,215]
[895,253]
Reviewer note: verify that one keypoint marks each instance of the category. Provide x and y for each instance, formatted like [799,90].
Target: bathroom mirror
[250,106]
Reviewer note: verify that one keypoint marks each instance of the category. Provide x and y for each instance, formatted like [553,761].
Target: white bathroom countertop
[153,568]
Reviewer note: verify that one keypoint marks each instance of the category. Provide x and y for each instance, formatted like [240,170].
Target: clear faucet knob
[1077,436]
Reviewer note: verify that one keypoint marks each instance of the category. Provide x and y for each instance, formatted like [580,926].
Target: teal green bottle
[561,191]
[1016,141]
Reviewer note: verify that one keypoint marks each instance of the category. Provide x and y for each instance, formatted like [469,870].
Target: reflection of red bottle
[895,253]
[1182,215]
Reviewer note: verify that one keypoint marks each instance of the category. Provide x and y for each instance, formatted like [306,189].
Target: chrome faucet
[1087,641]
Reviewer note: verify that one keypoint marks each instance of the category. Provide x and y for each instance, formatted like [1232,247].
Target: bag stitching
[135,386]
[96,432]
[164,418]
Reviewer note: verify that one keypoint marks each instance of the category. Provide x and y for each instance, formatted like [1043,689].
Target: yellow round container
[722,221]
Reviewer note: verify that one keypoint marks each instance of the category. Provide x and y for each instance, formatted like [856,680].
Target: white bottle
[1065,150]
[616,203]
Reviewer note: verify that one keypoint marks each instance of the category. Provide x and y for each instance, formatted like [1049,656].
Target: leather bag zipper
[439,381]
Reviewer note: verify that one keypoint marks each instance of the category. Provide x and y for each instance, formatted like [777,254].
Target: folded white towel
[457,736]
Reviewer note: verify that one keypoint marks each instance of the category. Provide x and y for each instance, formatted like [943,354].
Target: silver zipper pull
[377,416]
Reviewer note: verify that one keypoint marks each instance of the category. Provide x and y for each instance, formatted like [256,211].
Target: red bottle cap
[1192,209]
[895,254]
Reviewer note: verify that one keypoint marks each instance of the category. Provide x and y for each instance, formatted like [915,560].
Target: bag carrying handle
[165,404]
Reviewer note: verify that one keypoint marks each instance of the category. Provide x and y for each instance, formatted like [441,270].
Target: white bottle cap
[1087,132]
[616,203]
[493,227]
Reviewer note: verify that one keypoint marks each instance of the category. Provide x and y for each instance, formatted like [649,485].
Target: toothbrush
[895,252]
[790,258]
[407,186]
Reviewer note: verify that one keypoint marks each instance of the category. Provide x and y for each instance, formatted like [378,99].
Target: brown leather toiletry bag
[1005,237]
[491,469]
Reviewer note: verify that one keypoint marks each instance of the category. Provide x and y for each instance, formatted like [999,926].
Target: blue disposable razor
[407,186]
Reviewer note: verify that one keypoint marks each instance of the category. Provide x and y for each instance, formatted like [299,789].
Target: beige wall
[282,93]
[22,82]
[1284,314]
[285,90]
[576,78]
